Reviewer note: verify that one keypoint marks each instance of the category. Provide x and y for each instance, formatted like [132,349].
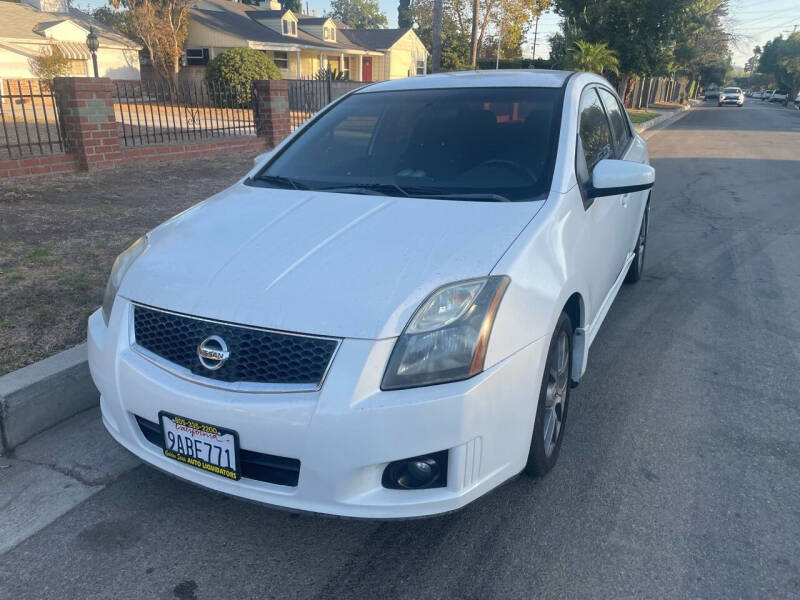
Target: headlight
[121,266]
[447,337]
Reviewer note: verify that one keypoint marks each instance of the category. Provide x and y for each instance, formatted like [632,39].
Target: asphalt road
[680,472]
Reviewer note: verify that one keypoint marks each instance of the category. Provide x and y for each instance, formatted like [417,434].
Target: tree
[50,63]
[161,26]
[650,37]
[455,43]
[359,14]
[514,17]
[296,6]
[118,20]
[597,58]
[404,16]
[780,58]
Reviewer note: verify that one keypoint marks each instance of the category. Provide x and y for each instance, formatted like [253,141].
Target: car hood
[313,262]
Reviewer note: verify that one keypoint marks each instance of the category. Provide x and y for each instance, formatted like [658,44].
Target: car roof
[463,79]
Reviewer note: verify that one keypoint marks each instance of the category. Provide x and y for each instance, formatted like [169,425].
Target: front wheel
[637,266]
[551,412]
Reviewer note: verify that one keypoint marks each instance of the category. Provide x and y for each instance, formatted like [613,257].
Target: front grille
[253,465]
[256,355]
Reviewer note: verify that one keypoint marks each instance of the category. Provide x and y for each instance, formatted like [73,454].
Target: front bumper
[344,435]
[738,101]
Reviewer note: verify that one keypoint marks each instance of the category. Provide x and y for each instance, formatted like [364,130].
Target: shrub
[50,63]
[238,67]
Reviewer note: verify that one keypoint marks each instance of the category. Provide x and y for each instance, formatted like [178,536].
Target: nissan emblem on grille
[213,352]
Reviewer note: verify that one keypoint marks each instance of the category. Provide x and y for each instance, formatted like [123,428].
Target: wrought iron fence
[153,112]
[29,120]
[308,96]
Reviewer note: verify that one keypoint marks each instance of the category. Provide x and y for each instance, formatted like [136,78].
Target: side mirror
[262,157]
[613,177]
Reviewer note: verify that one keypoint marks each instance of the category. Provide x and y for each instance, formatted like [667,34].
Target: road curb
[667,119]
[36,397]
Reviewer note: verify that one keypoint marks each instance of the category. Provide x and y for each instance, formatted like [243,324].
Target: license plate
[208,447]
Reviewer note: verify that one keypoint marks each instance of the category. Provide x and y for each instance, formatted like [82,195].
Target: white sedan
[384,318]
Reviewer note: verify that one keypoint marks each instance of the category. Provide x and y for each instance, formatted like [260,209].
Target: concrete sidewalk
[55,471]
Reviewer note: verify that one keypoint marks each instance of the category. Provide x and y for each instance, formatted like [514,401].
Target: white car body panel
[356,267]
[324,251]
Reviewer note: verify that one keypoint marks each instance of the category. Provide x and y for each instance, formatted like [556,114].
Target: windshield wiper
[279,180]
[372,189]
[475,197]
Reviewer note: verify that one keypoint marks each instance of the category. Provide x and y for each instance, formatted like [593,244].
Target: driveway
[680,471]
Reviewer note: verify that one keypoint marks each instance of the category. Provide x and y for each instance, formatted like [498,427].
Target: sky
[753,22]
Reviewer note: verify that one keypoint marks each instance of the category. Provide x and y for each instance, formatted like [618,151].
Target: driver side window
[594,131]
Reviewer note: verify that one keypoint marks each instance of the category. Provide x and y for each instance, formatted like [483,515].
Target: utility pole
[535,34]
[476,6]
[437,35]
[499,36]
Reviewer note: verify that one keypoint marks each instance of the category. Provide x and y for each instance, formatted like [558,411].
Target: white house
[28,28]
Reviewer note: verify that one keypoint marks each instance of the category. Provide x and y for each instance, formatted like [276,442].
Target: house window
[281,59]
[289,27]
[196,56]
[346,67]
[420,67]
[78,68]
[329,33]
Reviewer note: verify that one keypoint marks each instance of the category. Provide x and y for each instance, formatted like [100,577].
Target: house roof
[375,39]
[312,20]
[241,20]
[267,14]
[23,22]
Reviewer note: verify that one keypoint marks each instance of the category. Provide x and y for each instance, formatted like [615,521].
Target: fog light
[417,473]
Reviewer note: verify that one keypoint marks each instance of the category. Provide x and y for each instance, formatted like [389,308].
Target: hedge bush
[238,67]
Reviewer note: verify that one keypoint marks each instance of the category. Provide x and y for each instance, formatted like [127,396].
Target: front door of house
[366,69]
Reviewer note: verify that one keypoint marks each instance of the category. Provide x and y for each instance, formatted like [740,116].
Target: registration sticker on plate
[201,445]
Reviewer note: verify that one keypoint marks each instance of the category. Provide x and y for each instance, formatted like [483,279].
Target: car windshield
[480,144]
[731,90]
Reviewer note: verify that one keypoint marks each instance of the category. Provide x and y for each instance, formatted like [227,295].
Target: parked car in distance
[731,95]
[711,93]
[797,101]
[755,95]
[385,316]
[779,96]
[766,95]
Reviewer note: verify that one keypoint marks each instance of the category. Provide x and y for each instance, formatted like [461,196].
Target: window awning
[74,50]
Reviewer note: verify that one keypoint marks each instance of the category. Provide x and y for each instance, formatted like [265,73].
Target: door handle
[624,200]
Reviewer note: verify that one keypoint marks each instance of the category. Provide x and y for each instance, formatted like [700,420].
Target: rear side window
[595,135]
[617,119]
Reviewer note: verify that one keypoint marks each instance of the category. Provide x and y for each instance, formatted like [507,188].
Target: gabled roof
[237,24]
[241,20]
[268,14]
[375,39]
[24,22]
[312,20]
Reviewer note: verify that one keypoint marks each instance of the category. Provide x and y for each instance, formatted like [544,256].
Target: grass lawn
[640,116]
[60,235]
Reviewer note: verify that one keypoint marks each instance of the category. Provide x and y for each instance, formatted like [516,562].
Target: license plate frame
[207,431]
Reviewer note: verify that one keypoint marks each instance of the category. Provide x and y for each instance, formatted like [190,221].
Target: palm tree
[586,56]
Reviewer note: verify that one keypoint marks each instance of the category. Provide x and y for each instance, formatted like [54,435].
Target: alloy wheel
[556,393]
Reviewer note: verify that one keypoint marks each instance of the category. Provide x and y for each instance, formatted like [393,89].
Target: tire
[551,412]
[637,266]
[719,103]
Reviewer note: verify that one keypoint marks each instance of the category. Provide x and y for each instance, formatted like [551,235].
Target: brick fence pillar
[86,111]
[272,110]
